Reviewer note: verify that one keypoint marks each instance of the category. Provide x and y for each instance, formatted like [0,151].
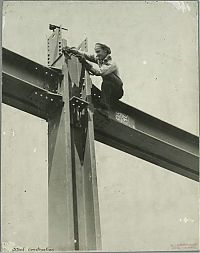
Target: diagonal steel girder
[127,129]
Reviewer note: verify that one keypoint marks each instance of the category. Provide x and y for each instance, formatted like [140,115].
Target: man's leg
[106,93]
[116,86]
[116,93]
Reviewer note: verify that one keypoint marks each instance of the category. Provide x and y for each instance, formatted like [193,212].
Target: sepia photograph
[100,126]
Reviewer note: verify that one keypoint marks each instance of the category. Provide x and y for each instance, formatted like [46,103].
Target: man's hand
[71,50]
[87,65]
[81,58]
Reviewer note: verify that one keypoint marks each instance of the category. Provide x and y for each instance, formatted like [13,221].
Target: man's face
[100,53]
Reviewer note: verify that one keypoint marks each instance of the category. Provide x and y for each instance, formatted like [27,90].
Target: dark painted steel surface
[28,97]
[29,71]
[28,85]
[149,138]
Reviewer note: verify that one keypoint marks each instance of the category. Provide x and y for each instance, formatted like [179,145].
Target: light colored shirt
[106,66]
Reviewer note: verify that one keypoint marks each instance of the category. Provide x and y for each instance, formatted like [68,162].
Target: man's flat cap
[103,46]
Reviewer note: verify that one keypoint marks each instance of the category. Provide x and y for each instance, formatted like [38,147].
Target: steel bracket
[78,109]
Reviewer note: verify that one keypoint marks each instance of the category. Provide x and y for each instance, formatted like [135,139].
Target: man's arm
[104,70]
[89,57]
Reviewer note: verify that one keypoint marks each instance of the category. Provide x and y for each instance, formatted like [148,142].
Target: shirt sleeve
[105,69]
[89,57]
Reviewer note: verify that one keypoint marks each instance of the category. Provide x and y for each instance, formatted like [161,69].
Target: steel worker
[112,85]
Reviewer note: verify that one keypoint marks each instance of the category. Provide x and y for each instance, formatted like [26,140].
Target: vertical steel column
[60,199]
[88,236]
[90,171]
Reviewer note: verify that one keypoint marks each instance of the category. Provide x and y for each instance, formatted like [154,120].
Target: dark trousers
[111,90]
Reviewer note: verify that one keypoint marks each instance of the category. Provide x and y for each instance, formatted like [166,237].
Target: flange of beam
[29,86]
[28,97]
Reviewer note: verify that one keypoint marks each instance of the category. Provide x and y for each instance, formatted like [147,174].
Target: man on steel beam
[112,85]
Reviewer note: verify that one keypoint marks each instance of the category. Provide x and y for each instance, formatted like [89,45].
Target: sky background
[142,206]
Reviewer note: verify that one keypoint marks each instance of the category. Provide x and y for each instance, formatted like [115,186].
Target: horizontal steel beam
[127,129]
[29,86]
[142,135]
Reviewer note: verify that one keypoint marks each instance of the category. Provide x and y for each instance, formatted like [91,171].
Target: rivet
[36,92]
[94,94]
[51,75]
[73,104]
[46,73]
[36,68]
[51,99]
[46,97]
[41,95]
[82,103]
[76,101]
[99,96]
